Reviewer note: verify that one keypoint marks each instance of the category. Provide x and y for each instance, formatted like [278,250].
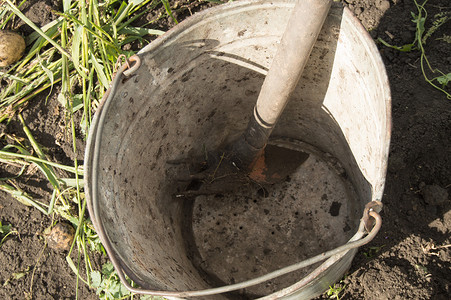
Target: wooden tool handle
[303,28]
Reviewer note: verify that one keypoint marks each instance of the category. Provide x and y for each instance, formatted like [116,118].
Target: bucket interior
[195,90]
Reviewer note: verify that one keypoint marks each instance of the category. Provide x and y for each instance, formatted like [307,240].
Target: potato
[12,46]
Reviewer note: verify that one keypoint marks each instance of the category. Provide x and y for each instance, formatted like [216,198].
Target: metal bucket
[193,89]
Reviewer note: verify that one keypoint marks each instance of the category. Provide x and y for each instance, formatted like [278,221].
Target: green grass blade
[35,35]
[3,12]
[66,5]
[50,76]
[75,269]
[76,43]
[21,196]
[140,31]
[167,7]
[13,77]
[39,44]
[36,28]
[99,71]
[404,48]
[9,155]
[122,12]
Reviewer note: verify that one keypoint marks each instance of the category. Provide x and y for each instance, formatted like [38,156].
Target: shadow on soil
[406,258]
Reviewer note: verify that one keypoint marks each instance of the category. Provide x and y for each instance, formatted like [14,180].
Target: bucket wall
[195,90]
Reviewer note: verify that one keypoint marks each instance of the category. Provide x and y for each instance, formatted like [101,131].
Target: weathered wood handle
[304,25]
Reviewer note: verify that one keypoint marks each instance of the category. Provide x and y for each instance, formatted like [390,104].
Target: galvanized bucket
[193,89]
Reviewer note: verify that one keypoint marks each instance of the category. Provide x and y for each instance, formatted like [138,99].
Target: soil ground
[407,260]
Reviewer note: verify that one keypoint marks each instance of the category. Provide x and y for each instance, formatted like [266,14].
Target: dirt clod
[434,195]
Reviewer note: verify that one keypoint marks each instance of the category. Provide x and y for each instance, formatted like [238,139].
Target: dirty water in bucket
[257,229]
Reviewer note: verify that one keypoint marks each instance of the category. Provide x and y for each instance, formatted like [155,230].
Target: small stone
[447,220]
[2,129]
[61,237]
[444,255]
[383,5]
[434,194]
[358,11]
